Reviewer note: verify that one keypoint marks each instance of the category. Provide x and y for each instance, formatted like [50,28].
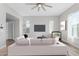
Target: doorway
[12,26]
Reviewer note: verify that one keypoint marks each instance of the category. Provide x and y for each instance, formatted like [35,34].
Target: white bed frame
[55,49]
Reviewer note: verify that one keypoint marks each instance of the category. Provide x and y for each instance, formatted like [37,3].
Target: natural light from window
[73,25]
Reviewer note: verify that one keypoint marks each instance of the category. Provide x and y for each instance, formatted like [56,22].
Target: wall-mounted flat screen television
[39,28]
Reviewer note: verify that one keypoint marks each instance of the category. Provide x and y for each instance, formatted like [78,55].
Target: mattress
[19,50]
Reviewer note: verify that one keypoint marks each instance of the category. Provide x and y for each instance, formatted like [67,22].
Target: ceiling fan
[40,6]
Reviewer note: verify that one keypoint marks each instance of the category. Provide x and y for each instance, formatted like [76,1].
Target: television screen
[39,28]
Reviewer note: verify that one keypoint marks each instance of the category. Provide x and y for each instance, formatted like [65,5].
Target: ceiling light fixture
[39,5]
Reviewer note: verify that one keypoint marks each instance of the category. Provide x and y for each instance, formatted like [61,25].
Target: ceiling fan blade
[38,9]
[43,8]
[48,6]
[35,7]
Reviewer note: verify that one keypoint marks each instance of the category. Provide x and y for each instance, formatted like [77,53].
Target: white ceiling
[25,10]
[10,17]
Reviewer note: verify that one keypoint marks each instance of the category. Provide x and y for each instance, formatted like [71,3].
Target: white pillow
[35,41]
[46,41]
[22,41]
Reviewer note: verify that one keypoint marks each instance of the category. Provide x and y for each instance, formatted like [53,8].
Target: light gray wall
[64,16]
[41,20]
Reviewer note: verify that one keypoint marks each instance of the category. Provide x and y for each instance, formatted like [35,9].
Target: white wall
[3,10]
[16,16]
[13,29]
[64,16]
[16,29]
[41,20]
[2,21]
[10,30]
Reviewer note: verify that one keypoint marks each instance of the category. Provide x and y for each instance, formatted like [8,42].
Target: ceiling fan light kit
[40,6]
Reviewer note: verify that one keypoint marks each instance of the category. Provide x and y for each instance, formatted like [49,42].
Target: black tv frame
[38,28]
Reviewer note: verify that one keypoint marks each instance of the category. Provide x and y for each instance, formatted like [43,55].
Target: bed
[37,50]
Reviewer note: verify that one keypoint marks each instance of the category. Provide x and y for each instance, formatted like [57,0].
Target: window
[73,25]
